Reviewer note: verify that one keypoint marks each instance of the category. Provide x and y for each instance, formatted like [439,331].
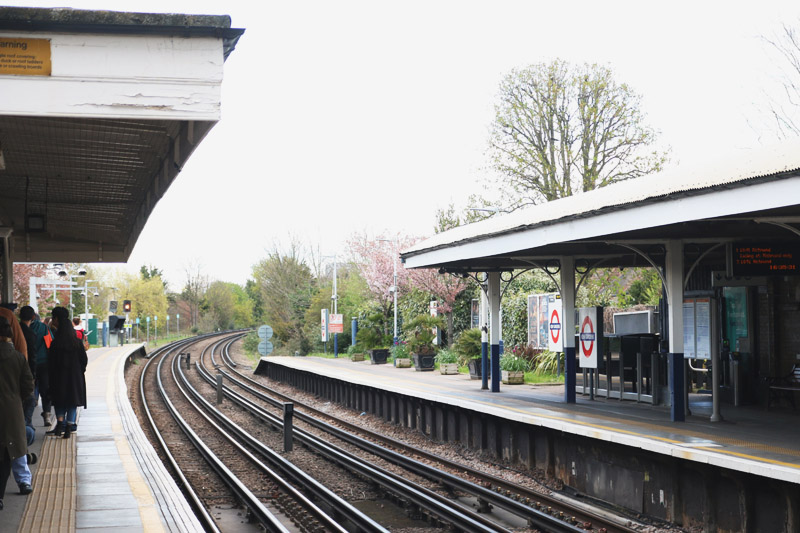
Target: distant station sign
[765,259]
[265,332]
[336,323]
[265,347]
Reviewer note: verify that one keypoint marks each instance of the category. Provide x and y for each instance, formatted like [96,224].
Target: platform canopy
[99,112]
[753,196]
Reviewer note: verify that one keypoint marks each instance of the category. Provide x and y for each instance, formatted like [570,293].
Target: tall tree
[194,290]
[560,129]
[286,285]
[377,260]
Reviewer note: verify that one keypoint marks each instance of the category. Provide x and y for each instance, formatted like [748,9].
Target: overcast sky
[342,117]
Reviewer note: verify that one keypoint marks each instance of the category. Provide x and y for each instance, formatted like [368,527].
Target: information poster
[688,329]
[533,321]
[697,328]
[324,325]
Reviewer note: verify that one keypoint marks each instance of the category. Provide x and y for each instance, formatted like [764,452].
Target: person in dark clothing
[25,319]
[66,363]
[16,384]
[43,337]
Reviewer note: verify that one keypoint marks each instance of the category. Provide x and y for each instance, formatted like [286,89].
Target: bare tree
[785,110]
[194,290]
[561,129]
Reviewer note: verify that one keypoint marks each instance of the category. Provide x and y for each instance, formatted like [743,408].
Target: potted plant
[372,339]
[401,356]
[448,361]
[355,353]
[468,346]
[513,368]
[420,336]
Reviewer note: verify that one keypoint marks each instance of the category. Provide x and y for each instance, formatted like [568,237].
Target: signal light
[126,306]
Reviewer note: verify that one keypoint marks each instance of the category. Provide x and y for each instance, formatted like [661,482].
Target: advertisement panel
[324,325]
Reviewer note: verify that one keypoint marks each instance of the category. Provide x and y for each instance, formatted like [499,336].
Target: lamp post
[335,298]
[393,288]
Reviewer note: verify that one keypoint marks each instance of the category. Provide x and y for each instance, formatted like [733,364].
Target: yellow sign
[25,57]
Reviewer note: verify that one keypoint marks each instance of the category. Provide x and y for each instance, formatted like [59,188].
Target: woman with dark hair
[66,363]
[16,384]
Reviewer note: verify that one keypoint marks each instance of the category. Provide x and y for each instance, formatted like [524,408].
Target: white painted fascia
[121,76]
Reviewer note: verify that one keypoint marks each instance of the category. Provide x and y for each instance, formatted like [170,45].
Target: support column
[494,327]
[677,377]
[484,341]
[568,326]
[7,267]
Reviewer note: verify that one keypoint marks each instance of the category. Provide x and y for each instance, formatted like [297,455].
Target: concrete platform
[107,476]
[725,476]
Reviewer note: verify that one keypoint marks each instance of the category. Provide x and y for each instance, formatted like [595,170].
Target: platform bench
[784,387]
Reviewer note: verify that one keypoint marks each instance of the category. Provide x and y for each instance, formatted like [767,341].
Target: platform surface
[106,476]
[749,439]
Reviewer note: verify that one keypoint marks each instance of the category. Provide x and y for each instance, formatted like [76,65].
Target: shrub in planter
[448,361]
[420,337]
[468,347]
[355,354]
[513,369]
[401,358]
[378,356]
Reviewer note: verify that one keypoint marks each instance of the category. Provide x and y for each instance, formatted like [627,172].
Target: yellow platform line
[414,385]
[148,511]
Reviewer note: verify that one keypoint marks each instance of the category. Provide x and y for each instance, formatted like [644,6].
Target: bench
[784,387]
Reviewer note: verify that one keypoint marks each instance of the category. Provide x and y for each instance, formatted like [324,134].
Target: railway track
[539,510]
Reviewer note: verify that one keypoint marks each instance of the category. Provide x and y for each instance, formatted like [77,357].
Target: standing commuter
[7,312]
[66,362]
[16,384]
[42,339]
[19,466]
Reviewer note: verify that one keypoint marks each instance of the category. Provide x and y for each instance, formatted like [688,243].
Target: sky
[366,117]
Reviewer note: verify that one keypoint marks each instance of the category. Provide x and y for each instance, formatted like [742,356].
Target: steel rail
[258,509]
[340,506]
[526,505]
[443,508]
[206,520]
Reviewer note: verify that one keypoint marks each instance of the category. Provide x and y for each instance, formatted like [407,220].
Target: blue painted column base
[495,368]
[336,345]
[677,382]
[484,366]
[570,370]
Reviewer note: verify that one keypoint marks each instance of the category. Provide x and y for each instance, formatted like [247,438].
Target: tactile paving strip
[51,506]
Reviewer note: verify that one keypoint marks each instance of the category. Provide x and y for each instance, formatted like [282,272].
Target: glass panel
[736,332]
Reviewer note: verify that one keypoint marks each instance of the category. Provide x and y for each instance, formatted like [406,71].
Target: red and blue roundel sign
[554,327]
[588,336]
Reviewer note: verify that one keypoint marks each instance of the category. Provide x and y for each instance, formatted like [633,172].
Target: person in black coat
[66,363]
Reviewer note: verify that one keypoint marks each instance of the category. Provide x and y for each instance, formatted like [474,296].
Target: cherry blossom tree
[444,287]
[376,259]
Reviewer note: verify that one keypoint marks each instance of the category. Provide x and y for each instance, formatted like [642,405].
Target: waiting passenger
[16,384]
[66,362]
[42,339]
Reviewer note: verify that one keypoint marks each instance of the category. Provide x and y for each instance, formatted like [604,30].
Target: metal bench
[784,386]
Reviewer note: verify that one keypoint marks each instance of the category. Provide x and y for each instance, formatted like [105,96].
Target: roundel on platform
[587,337]
[555,326]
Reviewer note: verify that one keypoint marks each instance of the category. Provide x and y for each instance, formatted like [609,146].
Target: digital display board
[765,259]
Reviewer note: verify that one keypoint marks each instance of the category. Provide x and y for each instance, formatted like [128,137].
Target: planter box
[402,363]
[448,368]
[474,366]
[379,356]
[512,377]
[357,357]
[423,362]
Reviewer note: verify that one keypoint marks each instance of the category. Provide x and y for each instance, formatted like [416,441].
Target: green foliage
[400,351]
[647,289]
[468,343]
[512,363]
[371,332]
[287,286]
[354,349]
[227,306]
[419,333]
[250,343]
[446,356]
[545,362]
